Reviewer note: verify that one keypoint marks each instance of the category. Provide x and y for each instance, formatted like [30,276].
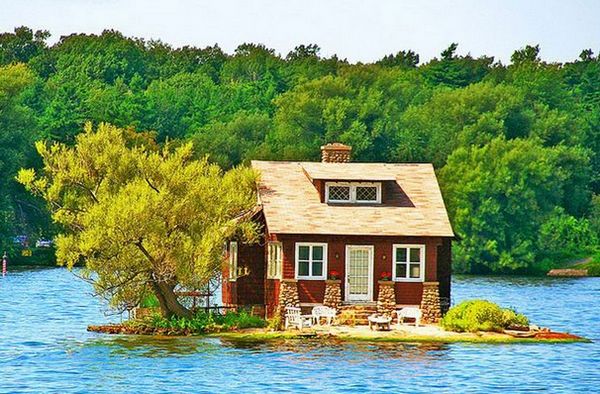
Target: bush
[511,318]
[204,322]
[149,301]
[566,234]
[593,267]
[274,323]
[481,315]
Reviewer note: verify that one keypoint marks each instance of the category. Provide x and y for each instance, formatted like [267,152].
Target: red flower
[334,275]
[385,275]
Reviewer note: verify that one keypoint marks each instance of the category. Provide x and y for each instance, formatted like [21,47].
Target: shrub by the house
[481,315]
[202,322]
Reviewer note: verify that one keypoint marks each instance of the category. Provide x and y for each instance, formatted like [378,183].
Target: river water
[44,347]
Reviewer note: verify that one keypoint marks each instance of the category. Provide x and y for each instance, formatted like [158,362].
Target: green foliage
[274,323]
[481,315]
[511,143]
[141,219]
[149,301]
[499,196]
[203,322]
[593,266]
[19,212]
[22,45]
[567,234]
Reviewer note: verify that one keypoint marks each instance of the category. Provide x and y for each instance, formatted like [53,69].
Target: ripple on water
[44,347]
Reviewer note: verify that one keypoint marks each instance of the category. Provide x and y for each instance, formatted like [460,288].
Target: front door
[359,273]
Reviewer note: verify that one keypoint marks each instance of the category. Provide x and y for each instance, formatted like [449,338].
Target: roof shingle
[292,204]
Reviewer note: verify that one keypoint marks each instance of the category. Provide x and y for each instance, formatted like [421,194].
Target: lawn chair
[322,311]
[294,318]
[410,313]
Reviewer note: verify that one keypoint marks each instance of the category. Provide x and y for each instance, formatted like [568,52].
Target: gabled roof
[292,204]
[350,171]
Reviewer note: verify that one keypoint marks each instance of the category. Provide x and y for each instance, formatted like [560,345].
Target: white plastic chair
[293,317]
[411,313]
[322,311]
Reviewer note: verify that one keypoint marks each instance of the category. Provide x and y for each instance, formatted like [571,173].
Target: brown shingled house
[354,222]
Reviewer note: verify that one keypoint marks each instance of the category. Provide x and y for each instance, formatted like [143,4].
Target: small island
[475,321]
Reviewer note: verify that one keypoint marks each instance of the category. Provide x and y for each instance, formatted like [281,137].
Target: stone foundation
[288,295]
[430,303]
[386,299]
[333,293]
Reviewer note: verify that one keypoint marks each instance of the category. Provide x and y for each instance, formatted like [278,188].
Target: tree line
[516,146]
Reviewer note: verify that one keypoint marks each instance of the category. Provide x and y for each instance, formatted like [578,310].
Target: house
[337,232]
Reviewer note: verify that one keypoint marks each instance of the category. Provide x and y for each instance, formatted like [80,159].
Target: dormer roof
[292,204]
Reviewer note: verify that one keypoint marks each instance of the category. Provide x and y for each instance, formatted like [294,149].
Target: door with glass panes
[359,273]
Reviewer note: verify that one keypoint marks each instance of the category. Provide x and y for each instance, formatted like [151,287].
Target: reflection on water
[314,348]
[144,346]
[44,347]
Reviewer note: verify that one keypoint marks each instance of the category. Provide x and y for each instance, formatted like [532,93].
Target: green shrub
[512,318]
[241,319]
[204,322]
[481,315]
[593,267]
[149,301]
[274,323]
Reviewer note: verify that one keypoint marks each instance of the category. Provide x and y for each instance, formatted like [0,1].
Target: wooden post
[4,263]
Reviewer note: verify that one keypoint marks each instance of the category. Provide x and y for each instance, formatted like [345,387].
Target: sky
[353,29]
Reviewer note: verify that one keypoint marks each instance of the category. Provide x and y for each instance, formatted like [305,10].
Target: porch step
[356,314]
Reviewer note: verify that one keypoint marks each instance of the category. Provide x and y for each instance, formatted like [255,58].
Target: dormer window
[353,192]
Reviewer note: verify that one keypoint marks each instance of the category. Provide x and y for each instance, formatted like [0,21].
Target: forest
[516,146]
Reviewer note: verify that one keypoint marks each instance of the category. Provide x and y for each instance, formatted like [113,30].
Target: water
[44,347]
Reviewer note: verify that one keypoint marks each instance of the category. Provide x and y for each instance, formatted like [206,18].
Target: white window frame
[233,260]
[274,260]
[421,278]
[353,186]
[310,261]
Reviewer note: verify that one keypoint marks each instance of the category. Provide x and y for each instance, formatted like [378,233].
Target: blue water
[44,347]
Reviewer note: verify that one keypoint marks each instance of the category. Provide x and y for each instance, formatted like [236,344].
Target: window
[353,192]
[409,263]
[233,260]
[366,194]
[274,265]
[339,193]
[311,261]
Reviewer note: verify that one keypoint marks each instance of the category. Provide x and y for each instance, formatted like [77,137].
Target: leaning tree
[141,218]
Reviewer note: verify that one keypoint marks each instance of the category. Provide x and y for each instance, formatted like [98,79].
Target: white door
[359,273]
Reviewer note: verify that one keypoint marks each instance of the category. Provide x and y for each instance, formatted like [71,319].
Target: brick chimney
[335,153]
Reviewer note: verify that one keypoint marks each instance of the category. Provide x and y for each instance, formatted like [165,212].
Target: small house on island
[344,234]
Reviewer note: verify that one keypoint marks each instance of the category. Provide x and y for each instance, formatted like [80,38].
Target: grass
[556,261]
[592,266]
[294,335]
[150,301]
[201,323]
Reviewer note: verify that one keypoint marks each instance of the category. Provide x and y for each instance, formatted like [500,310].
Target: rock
[288,296]
[431,311]
[333,293]
[569,272]
[386,300]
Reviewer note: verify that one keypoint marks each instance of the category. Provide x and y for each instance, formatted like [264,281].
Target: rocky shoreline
[359,333]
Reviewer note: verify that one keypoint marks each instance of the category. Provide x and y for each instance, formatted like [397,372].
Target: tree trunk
[167,299]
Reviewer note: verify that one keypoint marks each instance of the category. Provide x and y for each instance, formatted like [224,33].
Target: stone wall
[386,299]
[333,293]
[430,303]
[288,295]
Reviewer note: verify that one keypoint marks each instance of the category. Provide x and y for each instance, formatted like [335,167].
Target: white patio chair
[322,311]
[294,318]
[410,313]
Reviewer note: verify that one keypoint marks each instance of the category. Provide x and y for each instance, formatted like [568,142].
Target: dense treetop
[516,147]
